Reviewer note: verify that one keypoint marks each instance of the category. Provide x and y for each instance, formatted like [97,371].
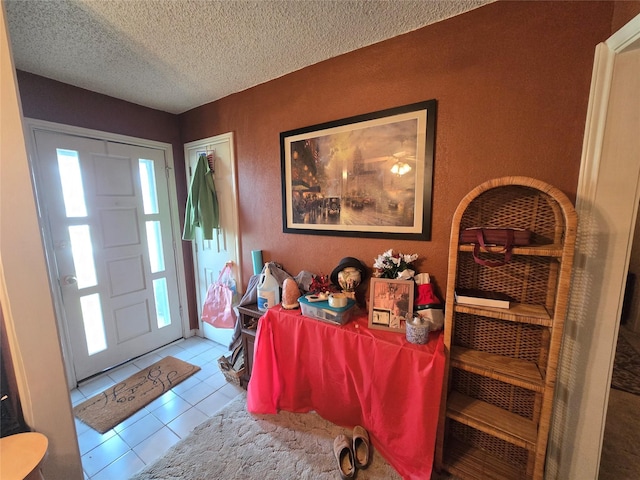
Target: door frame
[607,205]
[217,139]
[31,125]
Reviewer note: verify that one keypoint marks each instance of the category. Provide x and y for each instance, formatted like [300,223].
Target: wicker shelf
[520,312]
[466,461]
[550,250]
[490,419]
[510,370]
[501,363]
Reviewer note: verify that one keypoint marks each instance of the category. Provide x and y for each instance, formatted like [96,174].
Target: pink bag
[217,309]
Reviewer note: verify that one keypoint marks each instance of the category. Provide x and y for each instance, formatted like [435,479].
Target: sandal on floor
[344,456]
[361,447]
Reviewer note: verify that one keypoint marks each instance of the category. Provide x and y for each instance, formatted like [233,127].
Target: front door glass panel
[162,302]
[82,252]
[71,179]
[93,323]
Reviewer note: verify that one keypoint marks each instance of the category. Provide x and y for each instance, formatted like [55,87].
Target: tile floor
[145,436]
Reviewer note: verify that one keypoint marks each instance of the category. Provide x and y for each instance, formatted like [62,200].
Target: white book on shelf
[482,298]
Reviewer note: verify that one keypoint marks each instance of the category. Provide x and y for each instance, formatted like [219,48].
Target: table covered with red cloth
[352,375]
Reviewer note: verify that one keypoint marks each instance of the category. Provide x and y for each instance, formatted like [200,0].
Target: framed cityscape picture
[364,176]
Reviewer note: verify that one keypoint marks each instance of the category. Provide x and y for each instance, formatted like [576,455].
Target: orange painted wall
[512,83]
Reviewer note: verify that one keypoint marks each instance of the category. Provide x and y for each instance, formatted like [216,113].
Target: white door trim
[31,125]
[607,206]
[218,139]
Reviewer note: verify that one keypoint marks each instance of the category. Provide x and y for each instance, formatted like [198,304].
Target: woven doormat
[117,403]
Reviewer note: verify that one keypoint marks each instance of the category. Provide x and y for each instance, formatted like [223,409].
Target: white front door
[210,256]
[106,206]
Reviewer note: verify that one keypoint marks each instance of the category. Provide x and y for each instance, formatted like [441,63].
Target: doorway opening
[211,256]
[108,213]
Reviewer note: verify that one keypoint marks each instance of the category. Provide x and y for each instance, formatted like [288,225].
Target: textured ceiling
[174,55]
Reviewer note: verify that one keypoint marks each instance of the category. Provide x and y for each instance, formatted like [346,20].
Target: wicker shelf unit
[501,363]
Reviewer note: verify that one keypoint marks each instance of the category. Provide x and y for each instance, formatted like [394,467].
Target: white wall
[607,206]
[24,290]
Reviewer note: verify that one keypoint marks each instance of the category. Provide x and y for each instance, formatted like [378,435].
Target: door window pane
[162,302]
[82,252]
[148,184]
[71,179]
[93,323]
[154,243]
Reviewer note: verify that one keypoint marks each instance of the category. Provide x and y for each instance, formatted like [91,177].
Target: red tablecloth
[351,375]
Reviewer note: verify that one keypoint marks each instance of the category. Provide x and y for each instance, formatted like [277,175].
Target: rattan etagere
[501,363]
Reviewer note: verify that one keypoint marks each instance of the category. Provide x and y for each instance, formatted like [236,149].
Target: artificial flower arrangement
[321,284]
[398,266]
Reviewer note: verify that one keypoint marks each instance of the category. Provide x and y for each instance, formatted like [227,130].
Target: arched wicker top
[517,202]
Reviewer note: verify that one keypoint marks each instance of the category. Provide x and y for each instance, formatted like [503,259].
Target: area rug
[621,443]
[626,368]
[117,403]
[235,444]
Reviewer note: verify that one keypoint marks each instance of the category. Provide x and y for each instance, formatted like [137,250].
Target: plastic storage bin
[323,311]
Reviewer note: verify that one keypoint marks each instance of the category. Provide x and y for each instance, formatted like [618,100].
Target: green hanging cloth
[202,203]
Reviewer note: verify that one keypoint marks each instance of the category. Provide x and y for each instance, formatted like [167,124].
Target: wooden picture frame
[365,176]
[390,303]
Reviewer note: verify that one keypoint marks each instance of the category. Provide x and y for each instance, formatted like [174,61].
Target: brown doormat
[117,403]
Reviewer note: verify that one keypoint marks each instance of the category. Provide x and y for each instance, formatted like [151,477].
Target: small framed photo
[390,303]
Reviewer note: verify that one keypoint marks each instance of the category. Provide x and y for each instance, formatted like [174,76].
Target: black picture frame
[369,175]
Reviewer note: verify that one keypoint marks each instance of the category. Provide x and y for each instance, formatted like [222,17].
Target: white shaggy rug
[234,444]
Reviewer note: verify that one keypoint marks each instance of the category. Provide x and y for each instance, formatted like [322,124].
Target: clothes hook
[211,158]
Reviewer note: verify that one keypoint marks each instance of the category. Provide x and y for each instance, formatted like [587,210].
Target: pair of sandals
[352,455]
